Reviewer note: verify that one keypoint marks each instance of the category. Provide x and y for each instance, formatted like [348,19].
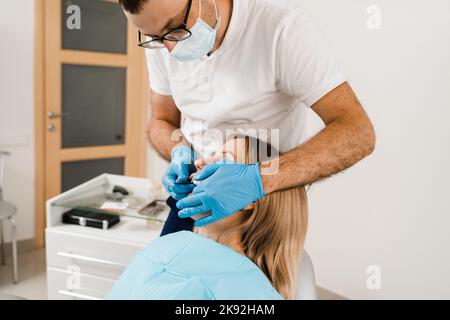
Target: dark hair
[132,6]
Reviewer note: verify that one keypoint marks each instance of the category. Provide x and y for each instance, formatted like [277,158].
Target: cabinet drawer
[63,286]
[91,255]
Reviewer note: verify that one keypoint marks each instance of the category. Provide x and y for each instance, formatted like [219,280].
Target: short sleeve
[157,72]
[305,67]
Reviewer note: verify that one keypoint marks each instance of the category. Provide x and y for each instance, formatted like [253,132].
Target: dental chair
[306,282]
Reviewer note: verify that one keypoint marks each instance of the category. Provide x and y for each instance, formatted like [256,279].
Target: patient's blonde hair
[273,234]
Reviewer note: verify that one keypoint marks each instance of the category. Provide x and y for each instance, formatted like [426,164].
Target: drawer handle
[90,259]
[77,295]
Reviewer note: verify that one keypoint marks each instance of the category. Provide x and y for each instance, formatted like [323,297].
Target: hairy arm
[164,125]
[347,138]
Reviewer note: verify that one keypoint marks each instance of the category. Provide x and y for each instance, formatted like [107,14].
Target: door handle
[51,127]
[52,115]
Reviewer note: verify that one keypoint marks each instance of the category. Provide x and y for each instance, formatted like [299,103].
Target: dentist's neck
[225,8]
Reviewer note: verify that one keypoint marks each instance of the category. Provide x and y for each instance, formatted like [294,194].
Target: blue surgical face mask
[200,43]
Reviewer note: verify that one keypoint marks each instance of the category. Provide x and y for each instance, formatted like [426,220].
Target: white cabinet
[84,263]
[87,287]
[97,256]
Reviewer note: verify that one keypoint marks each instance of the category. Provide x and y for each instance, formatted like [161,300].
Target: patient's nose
[200,164]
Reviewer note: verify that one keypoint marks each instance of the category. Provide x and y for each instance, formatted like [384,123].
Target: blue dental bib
[186,266]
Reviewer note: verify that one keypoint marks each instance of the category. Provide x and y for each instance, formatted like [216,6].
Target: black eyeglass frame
[160,40]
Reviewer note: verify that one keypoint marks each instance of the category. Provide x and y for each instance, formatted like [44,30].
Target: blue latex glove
[225,188]
[178,172]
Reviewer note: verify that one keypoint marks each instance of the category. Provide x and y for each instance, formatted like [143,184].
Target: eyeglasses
[177,34]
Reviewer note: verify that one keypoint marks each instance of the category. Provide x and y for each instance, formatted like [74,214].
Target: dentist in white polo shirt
[216,65]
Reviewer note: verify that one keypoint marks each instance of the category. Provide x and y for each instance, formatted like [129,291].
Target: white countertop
[129,230]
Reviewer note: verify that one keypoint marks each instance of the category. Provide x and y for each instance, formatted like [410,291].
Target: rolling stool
[7,212]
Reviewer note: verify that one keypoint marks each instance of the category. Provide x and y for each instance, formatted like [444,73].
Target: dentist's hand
[178,173]
[225,188]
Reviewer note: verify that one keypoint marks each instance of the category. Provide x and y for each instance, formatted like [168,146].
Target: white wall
[17,109]
[391,210]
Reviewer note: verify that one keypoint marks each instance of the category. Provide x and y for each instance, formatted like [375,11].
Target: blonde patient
[270,232]
[252,254]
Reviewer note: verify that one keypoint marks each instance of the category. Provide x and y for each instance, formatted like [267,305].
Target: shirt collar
[237,26]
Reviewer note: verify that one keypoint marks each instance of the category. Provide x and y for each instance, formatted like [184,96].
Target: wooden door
[94,110]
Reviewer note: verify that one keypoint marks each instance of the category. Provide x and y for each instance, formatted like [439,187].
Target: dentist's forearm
[337,147]
[164,137]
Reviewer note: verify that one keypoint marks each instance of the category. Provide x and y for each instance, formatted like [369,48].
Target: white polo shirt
[272,62]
